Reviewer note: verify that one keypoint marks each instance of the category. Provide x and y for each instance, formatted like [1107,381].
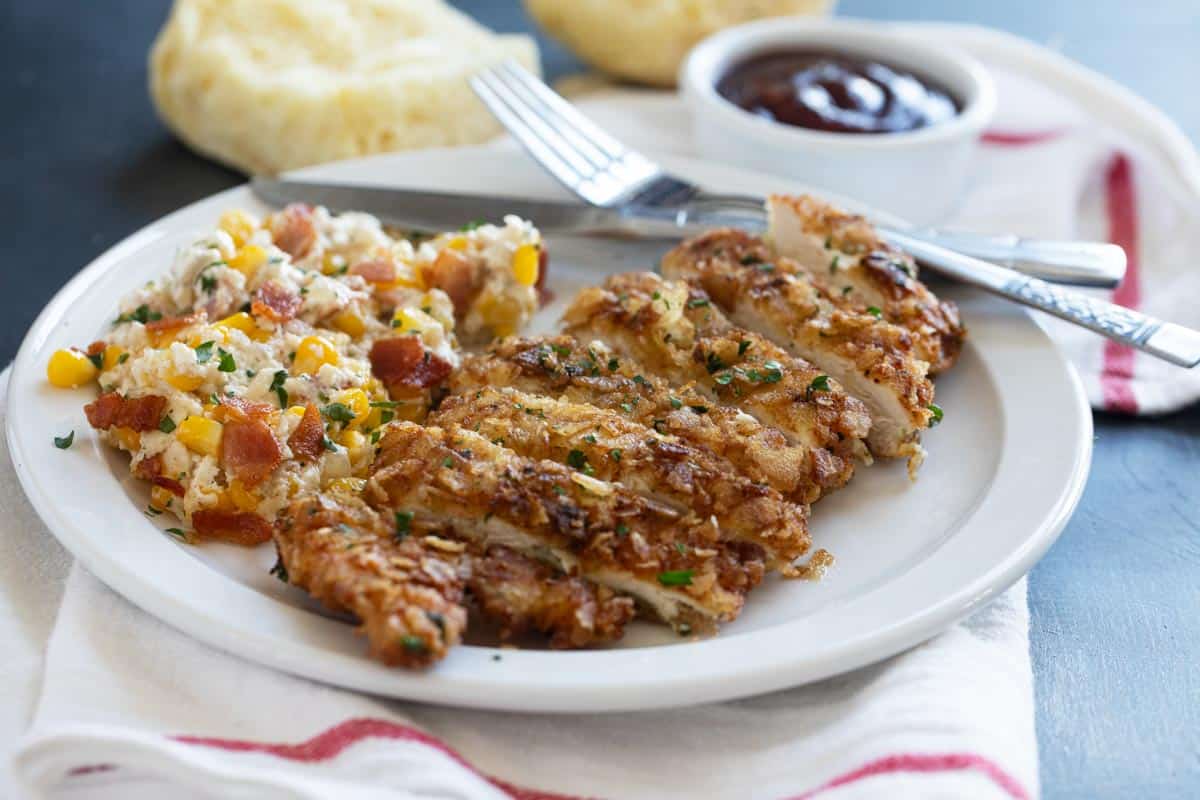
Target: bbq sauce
[836,92]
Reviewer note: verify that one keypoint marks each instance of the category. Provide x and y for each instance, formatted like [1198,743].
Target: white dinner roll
[646,40]
[270,85]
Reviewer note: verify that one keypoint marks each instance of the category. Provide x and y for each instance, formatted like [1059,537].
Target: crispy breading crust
[521,595]
[457,478]
[407,594]
[873,358]
[676,330]
[844,255]
[611,448]
[564,367]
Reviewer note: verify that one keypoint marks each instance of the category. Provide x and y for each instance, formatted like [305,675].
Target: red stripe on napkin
[925,763]
[1121,201]
[1020,138]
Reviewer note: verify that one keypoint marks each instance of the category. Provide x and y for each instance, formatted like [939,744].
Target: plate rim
[500,685]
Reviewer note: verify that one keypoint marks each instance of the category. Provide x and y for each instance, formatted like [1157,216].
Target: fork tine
[590,140]
[511,118]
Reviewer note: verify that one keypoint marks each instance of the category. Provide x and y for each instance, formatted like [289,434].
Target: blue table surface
[1115,604]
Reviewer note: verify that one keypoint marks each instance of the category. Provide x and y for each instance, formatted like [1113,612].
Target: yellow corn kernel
[200,435]
[501,314]
[525,264]
[457,243]
[243,499]
[112,355]
[185,383]
[334,264]
[408,276]
[129,439]
[348,321]
[238,224]
[312,353]
[241,321]
[357,401]
[352,441]
[67,369]
[296,411]
[414,320]
[161,497]
[346,485]
[248,259]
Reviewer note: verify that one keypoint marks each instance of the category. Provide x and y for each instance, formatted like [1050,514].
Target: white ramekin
[918,175]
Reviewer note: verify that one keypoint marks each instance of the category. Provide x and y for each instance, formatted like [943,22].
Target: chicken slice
[521,595]
[843,254]
[607,446]
[673,563]
[872,358]
[678,333]
[406,594]
[564,367]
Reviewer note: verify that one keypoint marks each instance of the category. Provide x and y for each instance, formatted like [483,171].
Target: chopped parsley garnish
[698,302]
[151,511]
[937,413]
[627,408]
[385,403]
[676,402]
[638,379]
[207,283]
[622,529]
[713,363]
[681,548]
[329,445]
[697,410]
[472,225]
[166,424]
[121,359]
[875,311]
[819,384]
[413,644]
[559,490]
[723,378]
[403,524]
[386,416]
[227,364]
[577,460]
[277,381]
[590,438]
[743,346]
[97,360]
[179,534]
[613,364]
[375,437]
[448,462]
[204,351]
[338,412]
[561,349]
[676,577]
[773,373]
[660,425]
[141,314]
[279,570]
[615,455]
[63,442]
[748,260]
[847,290]
[767,267]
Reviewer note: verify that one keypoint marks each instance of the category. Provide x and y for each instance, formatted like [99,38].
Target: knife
[1074,263]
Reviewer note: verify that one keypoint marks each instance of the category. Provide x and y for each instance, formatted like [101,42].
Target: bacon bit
[137,413]
[403,362]
[452,272]
[275,302]
[149,467]
[308,439]
[375,270]
[236,527]
[171,324]
[249,451]
[544,294]
[170,484]
[241,409]
[293,230]
[96,348]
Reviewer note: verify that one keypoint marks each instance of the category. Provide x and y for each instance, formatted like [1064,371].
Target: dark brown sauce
[827,91]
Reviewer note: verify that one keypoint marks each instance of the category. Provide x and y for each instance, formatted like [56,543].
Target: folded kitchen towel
[130,708]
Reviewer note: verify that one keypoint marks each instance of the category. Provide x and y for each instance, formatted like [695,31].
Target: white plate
[1004,472]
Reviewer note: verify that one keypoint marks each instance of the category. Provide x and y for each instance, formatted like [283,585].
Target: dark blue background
[1116,603]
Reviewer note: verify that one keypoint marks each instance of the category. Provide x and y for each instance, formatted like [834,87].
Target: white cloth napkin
[130,708]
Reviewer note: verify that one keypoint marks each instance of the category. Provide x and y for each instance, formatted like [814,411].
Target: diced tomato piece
[249,451]
[308,439]
[236,527]
[293,229]
[275,302]
[375,270]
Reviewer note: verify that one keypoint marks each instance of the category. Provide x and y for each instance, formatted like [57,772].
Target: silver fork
[603,172]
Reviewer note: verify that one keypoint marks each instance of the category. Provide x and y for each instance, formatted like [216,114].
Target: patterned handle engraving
[1116,322]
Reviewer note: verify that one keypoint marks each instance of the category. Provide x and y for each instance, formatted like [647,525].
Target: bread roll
[270,85]
[646,40]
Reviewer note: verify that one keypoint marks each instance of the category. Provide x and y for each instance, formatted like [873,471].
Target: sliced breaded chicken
[844,255]
[674,563]
[605,445]
[873,359]
[407,594]
[677,332]
[521,594]
[564,367]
